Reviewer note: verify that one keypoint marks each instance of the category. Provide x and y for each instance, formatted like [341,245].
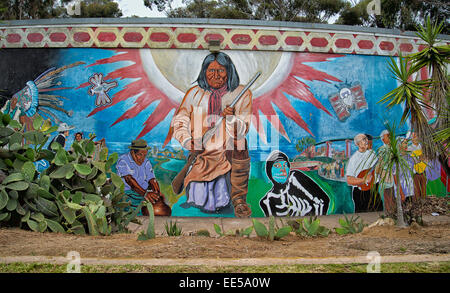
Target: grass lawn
[424,267]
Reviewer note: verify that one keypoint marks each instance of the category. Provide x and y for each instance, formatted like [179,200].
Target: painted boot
[240,171]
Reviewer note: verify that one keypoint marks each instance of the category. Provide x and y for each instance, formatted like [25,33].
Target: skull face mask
[280,171]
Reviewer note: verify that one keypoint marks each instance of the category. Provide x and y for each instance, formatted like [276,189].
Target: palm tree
[411,94]
[435,58]
[390,164]
[432,93]
[417,95]
[442,134]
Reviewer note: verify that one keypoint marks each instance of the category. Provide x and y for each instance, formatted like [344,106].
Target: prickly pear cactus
[73,195]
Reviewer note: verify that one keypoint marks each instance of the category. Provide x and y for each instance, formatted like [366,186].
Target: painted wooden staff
[178,181]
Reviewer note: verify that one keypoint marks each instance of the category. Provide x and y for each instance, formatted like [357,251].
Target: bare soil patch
[387,240]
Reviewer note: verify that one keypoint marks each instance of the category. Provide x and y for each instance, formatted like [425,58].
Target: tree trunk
[398,199]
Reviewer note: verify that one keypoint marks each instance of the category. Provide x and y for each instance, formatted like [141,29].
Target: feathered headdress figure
[36,98]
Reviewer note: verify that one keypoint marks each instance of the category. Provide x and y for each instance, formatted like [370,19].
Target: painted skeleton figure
[293,193]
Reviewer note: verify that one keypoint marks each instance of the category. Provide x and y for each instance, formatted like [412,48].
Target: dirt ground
[431,239]
[387,240]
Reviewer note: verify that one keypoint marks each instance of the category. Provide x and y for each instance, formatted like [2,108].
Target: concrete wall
[125,79]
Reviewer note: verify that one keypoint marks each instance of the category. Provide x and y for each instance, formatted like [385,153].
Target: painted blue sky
[369,71]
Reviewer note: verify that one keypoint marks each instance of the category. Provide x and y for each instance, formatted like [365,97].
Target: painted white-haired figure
[404,174]
[347,97]
[385,181]
[424,170]
[360,173]
[384,136]
[419,177]
[219,176]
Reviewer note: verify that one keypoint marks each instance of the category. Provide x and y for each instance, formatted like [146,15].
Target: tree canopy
[27,9]
[399,14]
[97,8]
[38,9]
[282,10]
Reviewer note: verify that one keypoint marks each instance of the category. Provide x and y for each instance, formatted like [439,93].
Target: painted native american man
[220,173]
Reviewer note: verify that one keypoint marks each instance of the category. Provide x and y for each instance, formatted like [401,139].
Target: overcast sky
[137,7]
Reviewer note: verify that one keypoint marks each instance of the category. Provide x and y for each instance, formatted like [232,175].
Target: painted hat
[64,127]
[139,144]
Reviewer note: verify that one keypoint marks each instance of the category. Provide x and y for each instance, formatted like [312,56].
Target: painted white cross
[100,88]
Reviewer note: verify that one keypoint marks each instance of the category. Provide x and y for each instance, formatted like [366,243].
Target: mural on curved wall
[291,135]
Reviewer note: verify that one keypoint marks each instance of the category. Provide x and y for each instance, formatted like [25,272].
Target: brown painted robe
[191,122]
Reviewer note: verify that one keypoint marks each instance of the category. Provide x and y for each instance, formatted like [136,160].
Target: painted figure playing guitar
[360,173]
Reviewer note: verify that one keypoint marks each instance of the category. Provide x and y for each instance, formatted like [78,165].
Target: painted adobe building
[126,79]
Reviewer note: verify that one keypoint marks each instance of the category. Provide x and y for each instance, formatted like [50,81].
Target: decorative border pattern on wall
[188,37]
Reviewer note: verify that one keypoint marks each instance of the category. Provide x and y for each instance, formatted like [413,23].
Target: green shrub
[172,229]
[244,232]
[350,225]
[73,195]
[221,232]
[273,232]
[203,232]
[309,227]
[238,232]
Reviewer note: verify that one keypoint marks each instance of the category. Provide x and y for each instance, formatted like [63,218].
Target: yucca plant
[442,135]
[393,162]
[435,58]
[172,229]
[417,95]
[432,93]
[350,225]
[411,94]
